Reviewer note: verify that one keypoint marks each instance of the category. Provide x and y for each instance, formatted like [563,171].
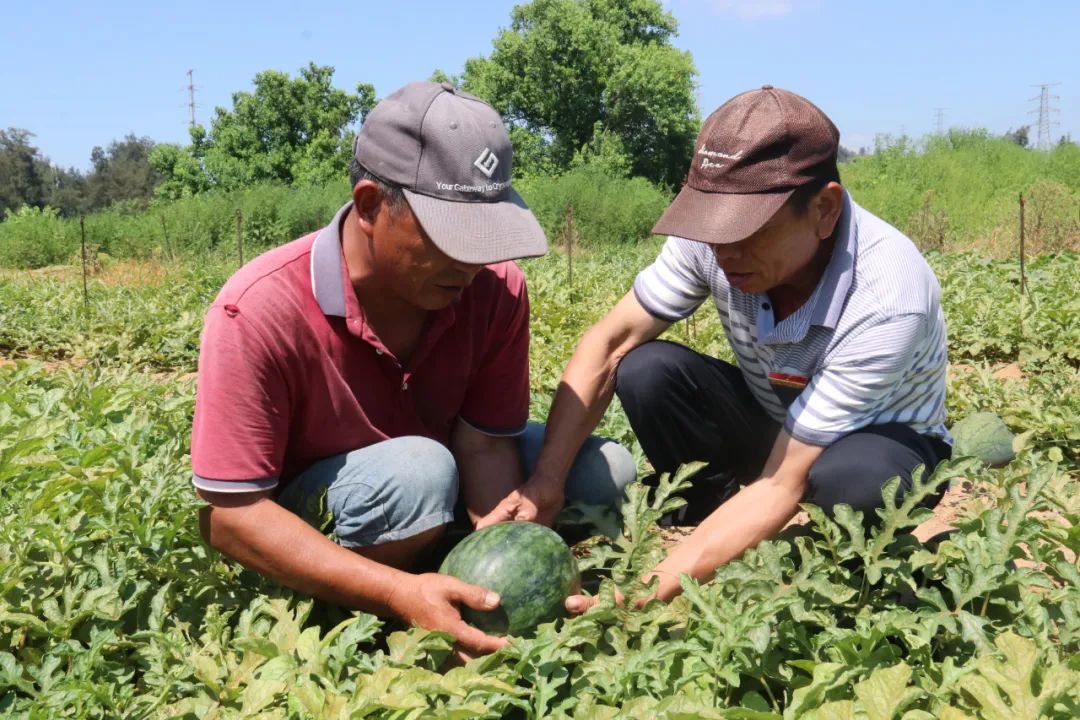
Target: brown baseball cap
[753,152]
[451,155]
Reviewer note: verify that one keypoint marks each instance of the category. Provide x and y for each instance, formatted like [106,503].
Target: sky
[80,74]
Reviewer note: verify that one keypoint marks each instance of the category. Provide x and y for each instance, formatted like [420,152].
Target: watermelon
[530,567]
[985,436]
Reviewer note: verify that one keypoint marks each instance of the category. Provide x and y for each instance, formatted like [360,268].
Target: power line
[1043,141]
[939,120]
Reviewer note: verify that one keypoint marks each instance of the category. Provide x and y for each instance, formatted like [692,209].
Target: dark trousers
[684,406]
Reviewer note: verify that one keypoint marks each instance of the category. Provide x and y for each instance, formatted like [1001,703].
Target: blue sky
[82,74]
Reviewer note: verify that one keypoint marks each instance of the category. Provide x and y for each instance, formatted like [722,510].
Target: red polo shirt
[291,373]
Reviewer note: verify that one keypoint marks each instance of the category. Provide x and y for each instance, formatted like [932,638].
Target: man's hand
[537,501]
[432,601]
[580,604]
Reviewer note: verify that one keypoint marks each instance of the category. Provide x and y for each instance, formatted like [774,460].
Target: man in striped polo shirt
[834,319]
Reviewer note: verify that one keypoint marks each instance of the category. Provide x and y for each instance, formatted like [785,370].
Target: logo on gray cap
[487,162]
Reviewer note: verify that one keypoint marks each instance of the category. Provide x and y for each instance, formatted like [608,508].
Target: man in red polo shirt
[363,378]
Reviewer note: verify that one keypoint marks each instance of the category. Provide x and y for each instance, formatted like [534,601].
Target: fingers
[526,511]
[474,596]
[503,512]
[492,518]
[578,604]
[460,657]
[473,642]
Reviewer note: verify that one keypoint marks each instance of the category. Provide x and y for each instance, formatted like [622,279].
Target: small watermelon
[530,567]
[985,436]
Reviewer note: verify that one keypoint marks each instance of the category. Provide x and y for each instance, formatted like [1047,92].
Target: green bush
[607,208]
[960,191]
[195,226]
[34,237]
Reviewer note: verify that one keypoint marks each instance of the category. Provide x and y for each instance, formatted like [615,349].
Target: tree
[121,172]
[289,130]
[21,181]
[566,69]
[65,190]
[1020,136]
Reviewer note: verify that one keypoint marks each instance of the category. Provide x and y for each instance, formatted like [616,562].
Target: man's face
[779,253]
[412,267]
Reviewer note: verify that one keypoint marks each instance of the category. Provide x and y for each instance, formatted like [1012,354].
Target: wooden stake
[240,236]
[568,241]
[165,235]
[82,236]
[1023,277]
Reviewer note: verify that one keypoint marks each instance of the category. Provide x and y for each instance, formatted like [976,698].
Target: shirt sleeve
[240,428]
[863,377]
[674,286]
[497,399]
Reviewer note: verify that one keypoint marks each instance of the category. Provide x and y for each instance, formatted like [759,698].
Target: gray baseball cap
[451,155]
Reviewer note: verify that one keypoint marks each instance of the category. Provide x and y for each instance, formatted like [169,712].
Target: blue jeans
[403,486]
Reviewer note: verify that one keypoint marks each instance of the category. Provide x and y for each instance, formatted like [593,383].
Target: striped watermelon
[530,567]
[986,436]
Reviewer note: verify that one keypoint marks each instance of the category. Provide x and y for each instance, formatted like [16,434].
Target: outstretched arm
[757,512]
[588,384]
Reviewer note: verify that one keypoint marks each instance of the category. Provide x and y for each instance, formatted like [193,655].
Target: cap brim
[719,218]
[480,233]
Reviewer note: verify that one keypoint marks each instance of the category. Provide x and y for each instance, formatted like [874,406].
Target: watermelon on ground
[528,565]
[984,435]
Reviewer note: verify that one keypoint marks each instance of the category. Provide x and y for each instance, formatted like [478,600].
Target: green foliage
[32,237]
[21,180]
[288,130]
[195,226]
[608,209]
[567,67]
[66,190]
[956,191]
[111,605]
[122,172]
[181,172]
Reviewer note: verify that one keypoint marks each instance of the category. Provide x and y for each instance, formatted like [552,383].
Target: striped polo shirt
[867,348]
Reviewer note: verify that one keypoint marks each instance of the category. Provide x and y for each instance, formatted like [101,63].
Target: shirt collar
[329,276]
[327,266]
[835,283]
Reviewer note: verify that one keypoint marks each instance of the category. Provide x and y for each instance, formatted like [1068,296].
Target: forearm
[757,512]
[272,541]
[588,384]
[583,395]
[488,470]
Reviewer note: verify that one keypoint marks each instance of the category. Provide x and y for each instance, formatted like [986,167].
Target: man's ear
[367,201]
[827,206]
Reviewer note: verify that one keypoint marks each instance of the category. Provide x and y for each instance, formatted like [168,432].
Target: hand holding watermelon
[436,602]
[530,567]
